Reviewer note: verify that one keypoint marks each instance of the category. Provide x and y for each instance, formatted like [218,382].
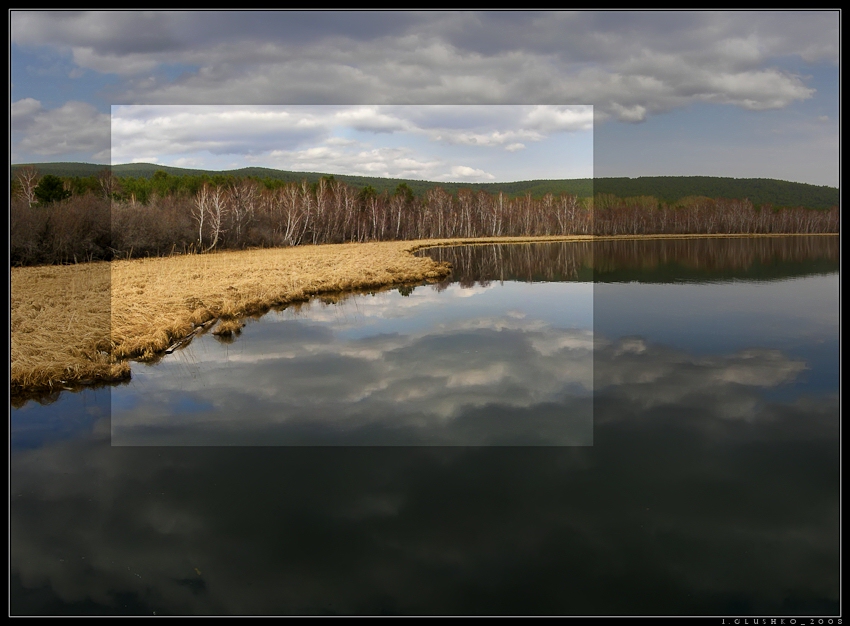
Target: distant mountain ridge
[669,189]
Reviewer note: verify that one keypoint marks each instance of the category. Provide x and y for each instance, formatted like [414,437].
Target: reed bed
[79,324]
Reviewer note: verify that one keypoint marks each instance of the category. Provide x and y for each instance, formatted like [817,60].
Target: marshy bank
[76,325]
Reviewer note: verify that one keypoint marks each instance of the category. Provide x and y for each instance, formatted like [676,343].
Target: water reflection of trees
[763,257]
[525,262]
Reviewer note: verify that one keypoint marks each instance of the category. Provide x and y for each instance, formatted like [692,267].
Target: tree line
[666,188]
[105,217]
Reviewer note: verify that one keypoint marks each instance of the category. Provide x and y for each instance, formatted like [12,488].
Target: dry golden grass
[60,327]
[78,324]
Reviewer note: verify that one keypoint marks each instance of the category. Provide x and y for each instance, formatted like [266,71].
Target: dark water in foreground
[687,465]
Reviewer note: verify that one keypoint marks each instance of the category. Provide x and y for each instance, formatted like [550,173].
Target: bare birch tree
[217,213]
[28,178]
[200,210]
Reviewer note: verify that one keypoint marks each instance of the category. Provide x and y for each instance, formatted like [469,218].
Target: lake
[608,428]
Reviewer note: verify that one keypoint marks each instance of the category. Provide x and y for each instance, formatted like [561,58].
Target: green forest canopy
[668,189]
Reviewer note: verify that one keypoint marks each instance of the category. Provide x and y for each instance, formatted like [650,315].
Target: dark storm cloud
[75,127]
[627,64]
[129,32]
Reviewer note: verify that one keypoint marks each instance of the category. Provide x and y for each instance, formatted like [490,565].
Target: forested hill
[669,189]
[758,190]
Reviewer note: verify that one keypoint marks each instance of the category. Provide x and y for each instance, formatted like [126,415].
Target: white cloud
[464,173]
[371,119]
[547,119]
[24,111]
[357,160]
[486,140]
[339,139]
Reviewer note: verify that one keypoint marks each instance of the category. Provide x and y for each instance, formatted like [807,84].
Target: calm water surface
[639,429]
[504,364]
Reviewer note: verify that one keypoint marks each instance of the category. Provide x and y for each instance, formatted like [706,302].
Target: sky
[455,95]
[474,143]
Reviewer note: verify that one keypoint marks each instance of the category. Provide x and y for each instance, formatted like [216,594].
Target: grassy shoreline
[77,325]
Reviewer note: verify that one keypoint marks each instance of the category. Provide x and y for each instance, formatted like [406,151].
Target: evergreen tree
[51,189]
